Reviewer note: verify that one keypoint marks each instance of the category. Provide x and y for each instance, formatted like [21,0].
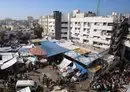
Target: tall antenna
[98,8]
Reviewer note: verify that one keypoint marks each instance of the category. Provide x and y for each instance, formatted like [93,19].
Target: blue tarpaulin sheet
[52,48]
[86,60]
[24,50]
[81,68]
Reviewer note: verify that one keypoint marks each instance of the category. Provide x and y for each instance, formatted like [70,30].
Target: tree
[38,31]
[2,35]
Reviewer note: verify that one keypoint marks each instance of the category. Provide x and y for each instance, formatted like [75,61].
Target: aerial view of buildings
[65,46]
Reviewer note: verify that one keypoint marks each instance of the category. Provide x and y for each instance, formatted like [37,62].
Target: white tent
[6,57]
[64,63]
[21,83]
[27,89]
[9,63]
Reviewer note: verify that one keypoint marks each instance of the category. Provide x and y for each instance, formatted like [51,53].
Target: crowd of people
[112,81]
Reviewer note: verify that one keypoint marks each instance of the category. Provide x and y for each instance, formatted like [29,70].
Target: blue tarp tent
[81,68]
[86,60]
[52,48]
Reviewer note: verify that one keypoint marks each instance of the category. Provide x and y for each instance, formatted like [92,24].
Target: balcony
[102,27]
[64,25]
[101,41]
[101,46]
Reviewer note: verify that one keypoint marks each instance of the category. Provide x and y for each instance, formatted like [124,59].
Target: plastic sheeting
[37,51]
[64,63]
[81,68]
[72,54]
[27,89]
[9,63]
[86,60]
[52,48]
[32,60]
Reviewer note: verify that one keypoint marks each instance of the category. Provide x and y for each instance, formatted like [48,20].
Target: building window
[95,30]
[107,39]
[88,24]
[85,23]
[95,23]
[0,57]
[110,24]
[104,24]
[85,41]
[64,27]
[78,28]
[84,29]
[64,22]
[75,22]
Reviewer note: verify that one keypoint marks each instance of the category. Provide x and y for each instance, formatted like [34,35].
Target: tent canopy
[37,51]
[27,89]
[9,63]
[86,60]
[64,63]
[52,48]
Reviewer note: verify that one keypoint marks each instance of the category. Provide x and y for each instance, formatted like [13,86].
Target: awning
[52,48]
[27,89]
[9,63]
[37,51]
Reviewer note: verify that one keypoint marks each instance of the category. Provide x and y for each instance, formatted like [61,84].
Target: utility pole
[98,8]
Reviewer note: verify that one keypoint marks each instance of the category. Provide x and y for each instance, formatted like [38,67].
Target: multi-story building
[92,30]
[55,25]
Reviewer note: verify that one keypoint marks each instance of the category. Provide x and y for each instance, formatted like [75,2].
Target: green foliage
[38,31]
[2,34]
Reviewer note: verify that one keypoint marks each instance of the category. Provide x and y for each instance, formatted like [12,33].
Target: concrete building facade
[95,30]
[55,25]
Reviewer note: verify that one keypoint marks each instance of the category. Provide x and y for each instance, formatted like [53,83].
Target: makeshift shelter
[27,89]
[24,52]
[64,63]
[32,60]
[72,54]
[5,49]
[52,49]
[86,60]
[25,83]
[82,51]
[37,51]
[9,63]
[5,57]
[81,68]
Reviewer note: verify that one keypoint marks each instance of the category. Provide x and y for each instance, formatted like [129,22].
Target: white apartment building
[95,31]
[55,25]
[48,24]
